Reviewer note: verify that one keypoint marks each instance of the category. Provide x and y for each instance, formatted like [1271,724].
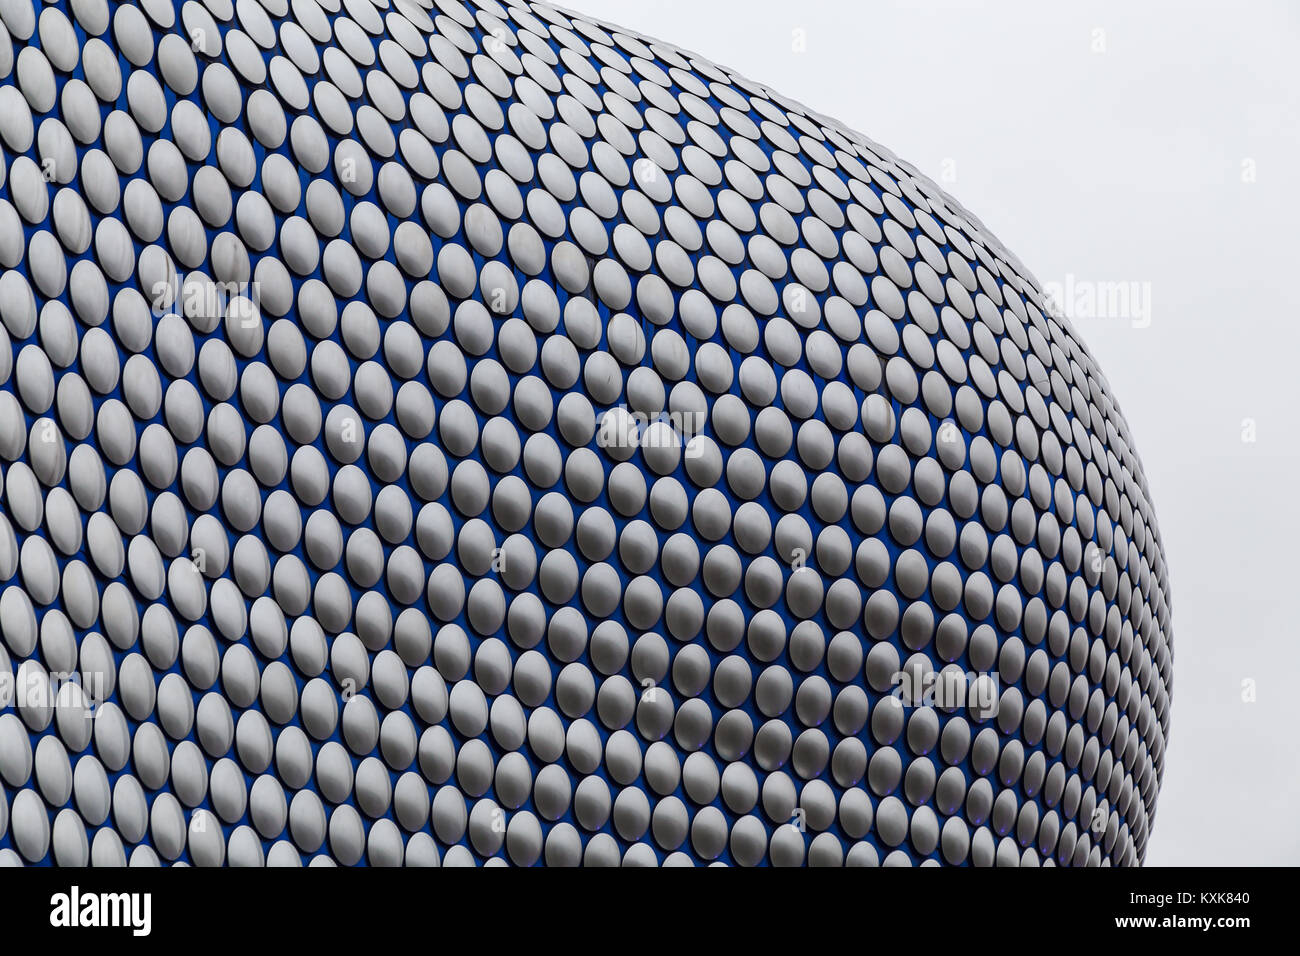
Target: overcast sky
[1155,144]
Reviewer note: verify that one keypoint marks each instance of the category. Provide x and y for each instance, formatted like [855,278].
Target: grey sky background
[1108,142]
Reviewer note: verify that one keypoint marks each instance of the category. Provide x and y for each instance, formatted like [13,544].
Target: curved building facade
[468,433]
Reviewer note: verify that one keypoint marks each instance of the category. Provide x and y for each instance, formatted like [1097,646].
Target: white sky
[1124,165]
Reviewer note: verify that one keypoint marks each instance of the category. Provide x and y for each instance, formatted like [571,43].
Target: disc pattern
[467,434]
